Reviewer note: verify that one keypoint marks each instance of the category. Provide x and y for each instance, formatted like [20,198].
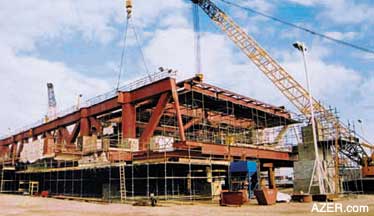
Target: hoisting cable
[345,43]
[197,36]
[132,25]
[123,54]
[128,6]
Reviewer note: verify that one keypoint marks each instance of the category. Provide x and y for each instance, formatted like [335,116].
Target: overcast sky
[76,44]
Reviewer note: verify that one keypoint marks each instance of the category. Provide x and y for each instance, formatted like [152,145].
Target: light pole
[317,164]
[361,127]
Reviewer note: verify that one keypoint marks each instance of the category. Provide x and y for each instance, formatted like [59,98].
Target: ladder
[122,182]
[33,188]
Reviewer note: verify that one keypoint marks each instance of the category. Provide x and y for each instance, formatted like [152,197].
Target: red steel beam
[174,94]
[146,92]
[74,133]
[64,135]
[213,117]
[119,156]
[20,148]
[248,152]
[13,152]
[221,95]
[104,107]
[67,136]
[142,93]
[4,150]
[154,120]
[96,124]
[192,122]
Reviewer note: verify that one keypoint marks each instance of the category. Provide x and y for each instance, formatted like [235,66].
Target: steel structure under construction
[157,137]
[174,140]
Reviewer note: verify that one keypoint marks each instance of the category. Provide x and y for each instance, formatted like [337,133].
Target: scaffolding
[107,166]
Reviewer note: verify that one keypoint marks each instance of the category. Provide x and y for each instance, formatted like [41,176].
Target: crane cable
[128,5]
[141,51]
[197,36]
[123,54]
[361,48]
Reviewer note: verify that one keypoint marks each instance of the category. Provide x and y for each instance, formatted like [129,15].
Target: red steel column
[128,115]
[3,150]
[20,147]
[84,123]
[128,120]
[47,145]
[13,150]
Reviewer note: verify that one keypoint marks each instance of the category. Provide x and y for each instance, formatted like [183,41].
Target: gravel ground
[37,206]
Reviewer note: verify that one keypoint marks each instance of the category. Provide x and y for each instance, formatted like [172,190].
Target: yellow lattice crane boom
[289,87]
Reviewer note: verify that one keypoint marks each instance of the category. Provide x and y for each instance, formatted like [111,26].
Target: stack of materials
[258,137]
[105,144]
[97,158]
[89,144]
[285,148]
[99,144]
[32,151]
[161,144]
[129,144]
[4,153]
[108,130]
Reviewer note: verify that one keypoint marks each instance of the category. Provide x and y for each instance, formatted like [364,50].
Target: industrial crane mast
[290,88]
[52,105]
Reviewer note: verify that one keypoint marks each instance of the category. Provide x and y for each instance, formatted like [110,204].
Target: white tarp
[92,159]
[108,130]
[162,143]
[32,151]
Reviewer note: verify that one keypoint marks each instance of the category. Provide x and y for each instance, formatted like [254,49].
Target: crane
[52,105]
[349,145]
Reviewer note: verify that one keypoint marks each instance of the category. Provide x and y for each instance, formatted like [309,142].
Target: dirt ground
[11,205]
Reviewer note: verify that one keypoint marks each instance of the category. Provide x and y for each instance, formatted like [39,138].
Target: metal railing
[100,98]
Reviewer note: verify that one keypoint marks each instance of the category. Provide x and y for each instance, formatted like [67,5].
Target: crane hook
[128,8]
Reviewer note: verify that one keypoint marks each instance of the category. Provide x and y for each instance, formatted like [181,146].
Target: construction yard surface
[30,206]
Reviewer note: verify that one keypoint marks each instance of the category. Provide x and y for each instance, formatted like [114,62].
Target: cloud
[336,10]
[225,65]
[23,88]
[328,81]
[149,12]
[342,35]
[306,2]
[26,24]
[222,62]
[23,23]
[263,6]
[358,12]
[335,85]
[23,77]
